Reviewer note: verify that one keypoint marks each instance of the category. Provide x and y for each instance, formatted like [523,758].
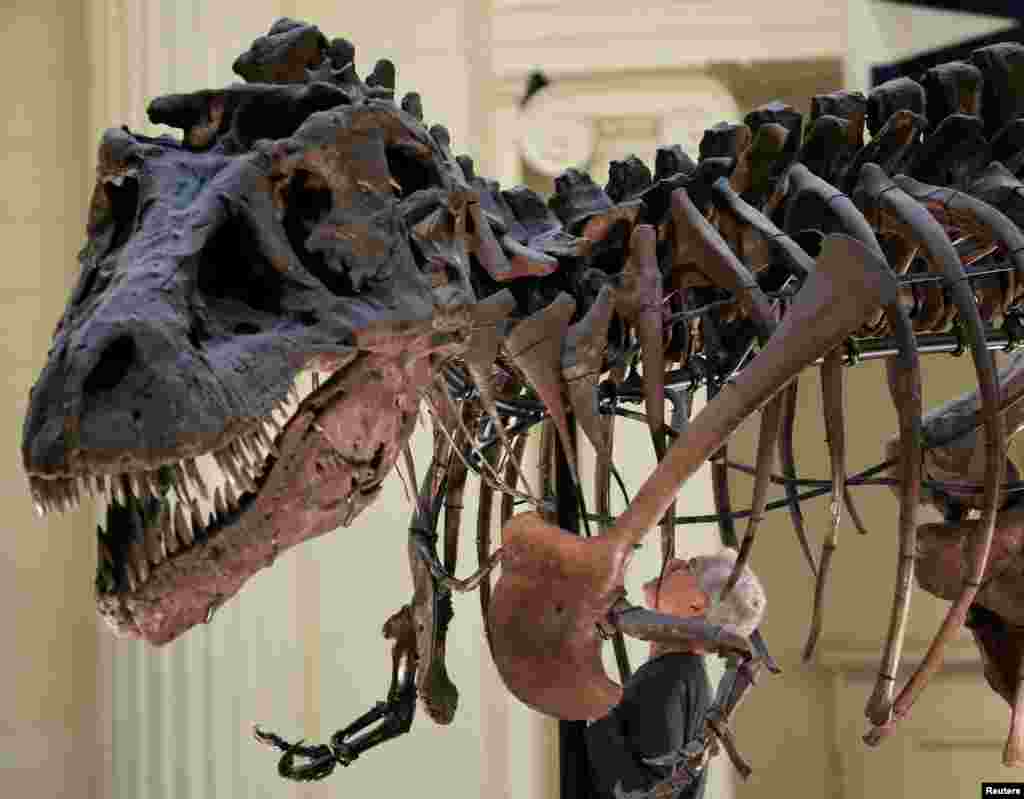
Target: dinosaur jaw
[168,557]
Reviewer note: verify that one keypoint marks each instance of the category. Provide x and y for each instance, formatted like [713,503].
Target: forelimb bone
[392,717]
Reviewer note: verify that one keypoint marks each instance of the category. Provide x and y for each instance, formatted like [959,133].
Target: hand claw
[321,765]
[322,759]
[270,739]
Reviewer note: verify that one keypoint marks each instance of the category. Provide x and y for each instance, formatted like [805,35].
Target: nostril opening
[112,366]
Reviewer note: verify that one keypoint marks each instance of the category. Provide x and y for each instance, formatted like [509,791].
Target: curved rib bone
[833,404]
[904,380]
[638,301]
[788,463]
[718,262]
[897,212]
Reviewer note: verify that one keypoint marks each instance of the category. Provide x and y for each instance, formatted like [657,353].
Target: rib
[896,212]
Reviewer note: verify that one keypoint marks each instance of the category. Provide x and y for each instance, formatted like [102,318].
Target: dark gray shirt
[662,709]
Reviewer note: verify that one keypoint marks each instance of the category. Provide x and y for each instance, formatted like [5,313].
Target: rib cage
[928,191]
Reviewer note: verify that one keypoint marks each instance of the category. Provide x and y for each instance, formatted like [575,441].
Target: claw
[321,759]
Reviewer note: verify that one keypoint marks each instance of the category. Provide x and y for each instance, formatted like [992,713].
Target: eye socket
[231,266]
[308,198]
[308,201]
[411,172]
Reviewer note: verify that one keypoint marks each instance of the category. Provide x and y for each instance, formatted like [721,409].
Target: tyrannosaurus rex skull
[269,240]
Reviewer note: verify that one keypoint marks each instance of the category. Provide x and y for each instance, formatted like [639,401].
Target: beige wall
[48,671]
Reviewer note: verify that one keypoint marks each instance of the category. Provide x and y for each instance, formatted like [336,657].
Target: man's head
[694,588]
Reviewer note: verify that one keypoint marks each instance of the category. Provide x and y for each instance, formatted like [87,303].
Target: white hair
[743,608]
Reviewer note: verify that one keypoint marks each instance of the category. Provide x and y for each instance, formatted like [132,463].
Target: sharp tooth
[63,501]
[152,480]
[167,525]
[247,483]
[218,502]
[240,455]
[137,551]
[230,497]
[100,485]
[74,498]
[193,472]
[181,484]
[156,549]
[254,441]
[39,499]
[197,517]
[233,469]
[182,525]
[103,554]
[267,439]
[117,489]
[127,484]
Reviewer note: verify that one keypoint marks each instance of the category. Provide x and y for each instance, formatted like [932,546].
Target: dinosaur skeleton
[306,221]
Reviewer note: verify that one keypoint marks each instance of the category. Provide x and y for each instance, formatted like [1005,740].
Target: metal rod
[867,349]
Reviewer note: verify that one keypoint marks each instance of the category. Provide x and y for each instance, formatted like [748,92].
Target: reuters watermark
[1002,789]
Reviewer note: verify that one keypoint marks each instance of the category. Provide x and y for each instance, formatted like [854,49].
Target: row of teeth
[201,492]
[238,460]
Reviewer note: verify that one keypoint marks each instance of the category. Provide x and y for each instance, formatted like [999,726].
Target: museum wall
[300,650]
[48,668]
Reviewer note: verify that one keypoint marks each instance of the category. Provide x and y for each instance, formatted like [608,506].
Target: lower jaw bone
[335,452]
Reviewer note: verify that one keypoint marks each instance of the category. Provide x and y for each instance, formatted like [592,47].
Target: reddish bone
[582,361]
[718,262]
[638,301]
[535,347]
[555,586]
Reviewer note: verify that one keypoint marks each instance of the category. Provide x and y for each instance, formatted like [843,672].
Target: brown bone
[638,301]
[555,586]
[582,359]
[535,347]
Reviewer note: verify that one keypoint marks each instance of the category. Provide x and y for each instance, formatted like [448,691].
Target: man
[663,704]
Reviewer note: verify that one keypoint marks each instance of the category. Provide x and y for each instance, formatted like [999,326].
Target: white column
[177,721]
